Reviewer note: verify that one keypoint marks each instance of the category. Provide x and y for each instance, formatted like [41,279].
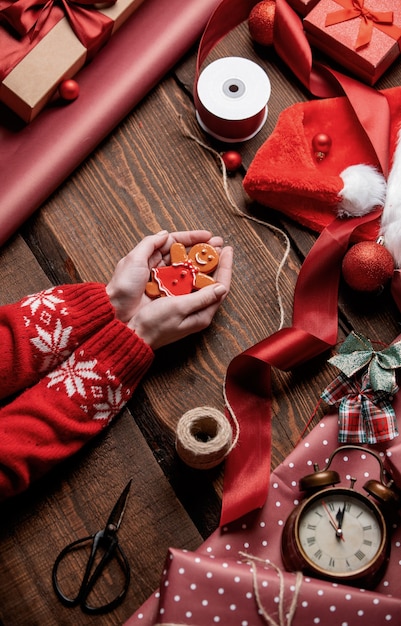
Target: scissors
[103,548]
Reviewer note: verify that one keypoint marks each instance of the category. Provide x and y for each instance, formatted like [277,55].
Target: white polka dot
[322,424]
[376,601]
[262,524]
[249,595]
[140,616]
[233,607]
[325,442]
[265,583]
[216,619]
[388,618]
[280,522]
[244,623]
[278,503]
[348,596]
[320,592]
[246,544]
[304,604]
[275,485]
[220,591]
[181,570]
[316,620]
[205,602]
[237,579]
[291,465]
[307,444]
[177,598]
[197,560]
[333,608]
[264,543]
[310,462]
[188,614]
[345,458]
[166,583]
[294,483]
[228,547]
[209,575]
[243,526]
[360,613]
[192,586]
[209,549]
[225,565]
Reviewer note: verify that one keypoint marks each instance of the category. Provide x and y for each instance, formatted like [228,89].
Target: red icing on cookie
[175,280]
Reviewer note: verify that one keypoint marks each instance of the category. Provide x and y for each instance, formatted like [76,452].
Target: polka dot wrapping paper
[226,581]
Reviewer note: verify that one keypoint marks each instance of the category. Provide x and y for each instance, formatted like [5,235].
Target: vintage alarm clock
[340,534]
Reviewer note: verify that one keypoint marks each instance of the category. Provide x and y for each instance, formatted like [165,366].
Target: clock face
[340,532]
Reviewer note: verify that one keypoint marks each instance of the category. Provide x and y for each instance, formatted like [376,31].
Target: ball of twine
[204,437]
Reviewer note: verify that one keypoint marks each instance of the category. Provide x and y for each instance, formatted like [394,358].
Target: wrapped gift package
[198,590]
[302,6]
[364,37]
[49,59]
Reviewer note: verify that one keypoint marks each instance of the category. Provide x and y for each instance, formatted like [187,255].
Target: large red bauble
[69,89]
[367,266]
[261,22]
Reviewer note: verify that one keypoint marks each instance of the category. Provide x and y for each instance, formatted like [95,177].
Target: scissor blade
[117,513]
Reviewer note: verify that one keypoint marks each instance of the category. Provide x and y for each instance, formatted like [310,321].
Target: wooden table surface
[144,177]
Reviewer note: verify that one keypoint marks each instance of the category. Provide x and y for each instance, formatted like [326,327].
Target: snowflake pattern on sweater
[52,339]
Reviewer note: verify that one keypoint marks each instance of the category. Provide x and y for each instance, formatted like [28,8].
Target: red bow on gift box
[90,26]
[353,9]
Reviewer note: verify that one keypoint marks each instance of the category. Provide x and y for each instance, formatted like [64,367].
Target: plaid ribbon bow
[363,391]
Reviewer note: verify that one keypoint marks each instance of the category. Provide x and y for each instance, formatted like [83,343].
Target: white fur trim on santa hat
[391,217]
[364,189]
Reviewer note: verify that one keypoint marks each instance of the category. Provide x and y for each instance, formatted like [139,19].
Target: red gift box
[364,36]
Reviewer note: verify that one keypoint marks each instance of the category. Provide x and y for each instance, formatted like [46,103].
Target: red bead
[261,22]
[367,266]
[232,160]
[69,89]
[321,143]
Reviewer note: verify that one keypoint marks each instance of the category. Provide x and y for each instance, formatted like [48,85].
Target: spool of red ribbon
[231,99]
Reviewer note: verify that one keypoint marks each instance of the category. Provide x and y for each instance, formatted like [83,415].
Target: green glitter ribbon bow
[357,353]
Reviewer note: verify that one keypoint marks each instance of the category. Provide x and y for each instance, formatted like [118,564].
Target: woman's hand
[165,320]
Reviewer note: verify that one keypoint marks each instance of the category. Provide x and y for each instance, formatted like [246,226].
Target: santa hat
[290,174]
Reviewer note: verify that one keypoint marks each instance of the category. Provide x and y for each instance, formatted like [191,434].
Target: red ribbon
[383,20]
[314,328]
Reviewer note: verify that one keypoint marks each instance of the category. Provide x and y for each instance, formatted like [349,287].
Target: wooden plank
[75,501]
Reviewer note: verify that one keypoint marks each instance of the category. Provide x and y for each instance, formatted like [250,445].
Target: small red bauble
[69,89]
[321,144]
[261,22]
[232,160]
[367,266]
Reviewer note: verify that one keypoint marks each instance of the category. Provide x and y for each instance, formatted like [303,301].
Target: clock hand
[338,530]
[340,518]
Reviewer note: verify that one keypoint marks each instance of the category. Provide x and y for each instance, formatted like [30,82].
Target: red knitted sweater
[67,367]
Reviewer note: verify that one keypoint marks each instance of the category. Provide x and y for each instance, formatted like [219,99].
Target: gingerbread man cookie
[186,272]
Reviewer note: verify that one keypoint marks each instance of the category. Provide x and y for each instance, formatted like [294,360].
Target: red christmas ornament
[321,144]
[232,160]
[69,89]
[367,266]
[261,22]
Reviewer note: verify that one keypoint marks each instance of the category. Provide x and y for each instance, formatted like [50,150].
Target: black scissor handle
[112,549]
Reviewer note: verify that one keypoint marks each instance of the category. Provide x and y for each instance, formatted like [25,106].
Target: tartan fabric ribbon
[364,416]
[28,17]
[383,20]
[364,389]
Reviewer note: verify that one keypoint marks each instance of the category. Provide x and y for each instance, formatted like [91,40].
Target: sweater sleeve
[71,404]
[42,330]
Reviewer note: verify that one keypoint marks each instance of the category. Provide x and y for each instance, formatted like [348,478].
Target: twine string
[284,619]
[204,437]
[244,215]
